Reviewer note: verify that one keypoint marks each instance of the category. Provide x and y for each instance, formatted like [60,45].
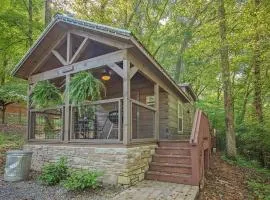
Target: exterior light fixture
[106,75]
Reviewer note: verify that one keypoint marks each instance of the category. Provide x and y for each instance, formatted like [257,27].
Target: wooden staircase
[171,162]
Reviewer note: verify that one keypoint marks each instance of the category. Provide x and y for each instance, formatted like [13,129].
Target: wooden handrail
[195,128]
[201,146]
[44,109]
[100,102]
[142,105]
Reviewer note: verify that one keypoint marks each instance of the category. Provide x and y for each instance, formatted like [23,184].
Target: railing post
[67,111]
[156,92]
[29,124]
[126,103]
[119,119]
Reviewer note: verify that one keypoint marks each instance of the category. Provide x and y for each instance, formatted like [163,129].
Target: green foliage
[9,141]
[84,86]
[254,143]
[258,178]
[80,180]
[260,190]
[13,92]
[45,94]
[53,173]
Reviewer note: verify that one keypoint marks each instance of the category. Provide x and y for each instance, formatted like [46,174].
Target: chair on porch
[112,119]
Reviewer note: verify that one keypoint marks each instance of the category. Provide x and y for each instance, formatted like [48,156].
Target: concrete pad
[156,190]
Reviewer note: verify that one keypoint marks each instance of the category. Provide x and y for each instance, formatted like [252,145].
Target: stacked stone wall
[120,165]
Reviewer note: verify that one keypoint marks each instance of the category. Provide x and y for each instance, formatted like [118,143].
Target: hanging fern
[45,94]
[84,86]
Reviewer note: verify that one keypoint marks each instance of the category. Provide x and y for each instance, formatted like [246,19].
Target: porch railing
[46,124]
[97,121]
[200,141]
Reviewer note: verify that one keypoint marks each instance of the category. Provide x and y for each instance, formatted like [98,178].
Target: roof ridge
[94,25]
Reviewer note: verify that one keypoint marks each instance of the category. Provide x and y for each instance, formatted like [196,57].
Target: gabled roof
[186,87]
[121,34]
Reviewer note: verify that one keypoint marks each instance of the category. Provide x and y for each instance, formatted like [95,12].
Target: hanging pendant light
[106,75]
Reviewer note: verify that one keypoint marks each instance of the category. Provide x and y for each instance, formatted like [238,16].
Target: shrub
[53,173]
[80,180]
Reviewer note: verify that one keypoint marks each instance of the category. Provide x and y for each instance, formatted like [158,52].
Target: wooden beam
[67,111]
[91,63]
[59,57]
[69,47]
[156,93]
[46,56]
[149,73]
[79,50]
[102,39]
[116,69]
[133,71]
[126,104]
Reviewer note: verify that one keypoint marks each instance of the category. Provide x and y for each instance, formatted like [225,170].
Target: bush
[53,173]
[80,180]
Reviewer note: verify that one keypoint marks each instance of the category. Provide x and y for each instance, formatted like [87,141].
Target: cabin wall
[169,116]
[163,114]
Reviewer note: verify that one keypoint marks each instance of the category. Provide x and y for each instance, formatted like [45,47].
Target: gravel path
[32,190]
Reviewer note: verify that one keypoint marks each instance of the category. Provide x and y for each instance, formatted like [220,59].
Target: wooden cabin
[145,125]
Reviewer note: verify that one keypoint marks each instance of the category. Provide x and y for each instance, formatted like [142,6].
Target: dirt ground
[224,182]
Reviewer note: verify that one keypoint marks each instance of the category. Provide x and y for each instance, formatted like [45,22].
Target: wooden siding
[169,116]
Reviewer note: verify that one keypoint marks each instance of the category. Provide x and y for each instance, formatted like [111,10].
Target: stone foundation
[120,165]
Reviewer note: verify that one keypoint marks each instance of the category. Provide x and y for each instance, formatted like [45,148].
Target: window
[180,117]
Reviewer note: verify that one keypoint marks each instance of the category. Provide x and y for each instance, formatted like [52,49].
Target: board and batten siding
[169,116]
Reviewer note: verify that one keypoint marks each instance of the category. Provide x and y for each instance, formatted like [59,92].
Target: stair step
[166,177]
[172,159]
[185,151]
[171,168]
[177,143]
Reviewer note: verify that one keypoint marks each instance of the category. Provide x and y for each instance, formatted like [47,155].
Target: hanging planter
[85,87]
[45,94]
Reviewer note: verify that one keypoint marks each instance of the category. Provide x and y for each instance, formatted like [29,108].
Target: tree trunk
[30,23]
[257,101]
[3,71]
[3,114]
[179,64]
[48,12]
[228,104]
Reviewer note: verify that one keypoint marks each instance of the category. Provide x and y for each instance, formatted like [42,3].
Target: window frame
[180,115]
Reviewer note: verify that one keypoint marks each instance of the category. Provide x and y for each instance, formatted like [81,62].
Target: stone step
[176,143]
[173,151]
[171,168]
[172,159]
[168,177]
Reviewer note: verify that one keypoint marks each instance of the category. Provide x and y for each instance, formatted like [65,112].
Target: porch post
[67,111]
[156,93]
[29,124]
[126,103]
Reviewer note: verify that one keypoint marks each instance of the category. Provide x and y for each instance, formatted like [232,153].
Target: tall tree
[256,66]
[226,79]
[30,22]
[47,12]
